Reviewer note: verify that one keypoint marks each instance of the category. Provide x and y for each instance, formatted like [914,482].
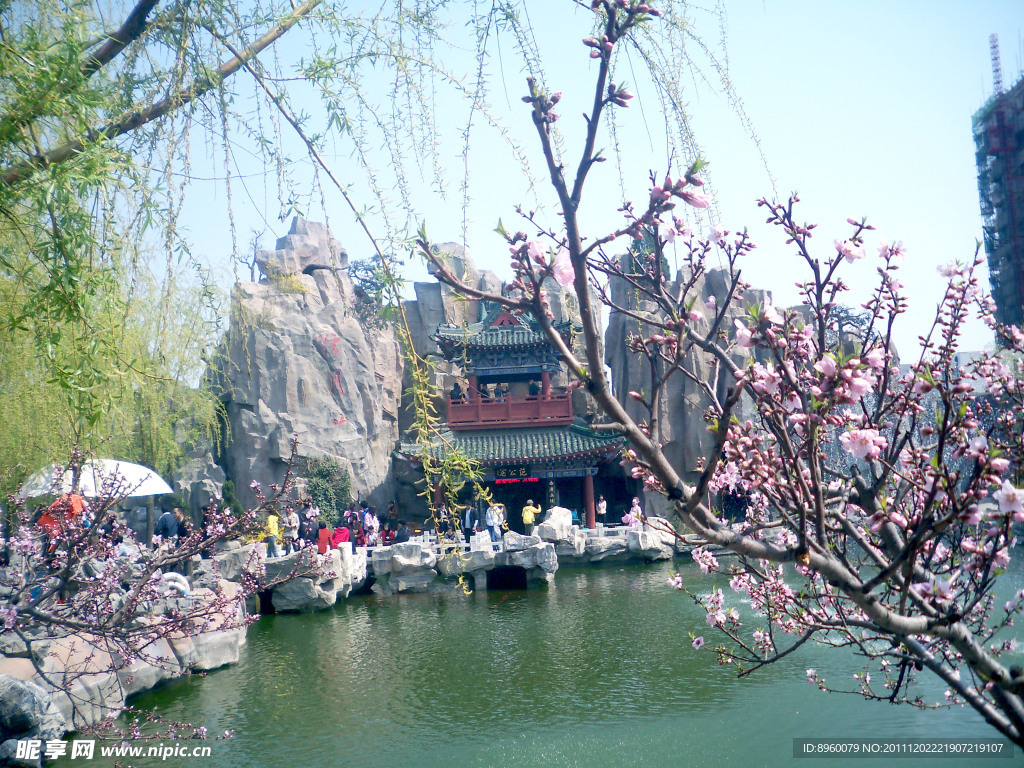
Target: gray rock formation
[556,525]
[87,682]
[406,567]
[297,361]
[572,548]
[652,542]
[83,681]
[201,481]
[309,246]
[27,712]
[475,561]
[538,560]
[232,563]
[306,581]
[600,549]
[682,405]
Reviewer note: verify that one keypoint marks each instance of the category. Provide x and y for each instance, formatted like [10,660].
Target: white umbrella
[99,477]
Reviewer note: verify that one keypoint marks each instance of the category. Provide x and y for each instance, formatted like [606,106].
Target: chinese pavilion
[510,420]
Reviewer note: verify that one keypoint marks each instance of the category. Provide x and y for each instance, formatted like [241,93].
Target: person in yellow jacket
[530,513]
[273,530]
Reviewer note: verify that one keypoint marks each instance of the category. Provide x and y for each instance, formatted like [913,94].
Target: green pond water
[595,670]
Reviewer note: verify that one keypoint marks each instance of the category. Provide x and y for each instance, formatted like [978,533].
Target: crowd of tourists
[294,529]
[302,525]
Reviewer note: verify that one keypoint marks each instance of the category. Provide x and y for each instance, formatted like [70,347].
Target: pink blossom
[743,335]
[860,383]
[875,359]
[938,589]
[676,580]
[972,515]
[766,380]
[863,443]
[715,618]
[740,583]
[849,250]
[922,387]
[698,642]
[895,252]
[563,270]
[948,270]
[727,476]
[771,314]
[827,366]
[704,559]
[1011,500]
[696,199]
[712,302]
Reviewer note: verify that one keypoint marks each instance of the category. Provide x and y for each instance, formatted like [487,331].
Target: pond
[596,670]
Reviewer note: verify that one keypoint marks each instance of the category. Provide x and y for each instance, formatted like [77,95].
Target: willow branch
[144,115]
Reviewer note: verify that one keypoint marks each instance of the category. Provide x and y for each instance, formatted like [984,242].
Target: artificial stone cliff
[681,405]
[298,360]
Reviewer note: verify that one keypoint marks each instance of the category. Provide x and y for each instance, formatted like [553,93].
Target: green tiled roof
[536,446]
[479,335]
[483,335]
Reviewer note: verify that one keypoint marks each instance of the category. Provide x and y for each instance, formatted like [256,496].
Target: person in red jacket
[323,537]
[360,535]
[341,534]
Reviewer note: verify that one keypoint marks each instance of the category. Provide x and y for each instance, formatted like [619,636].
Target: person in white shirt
[493,520]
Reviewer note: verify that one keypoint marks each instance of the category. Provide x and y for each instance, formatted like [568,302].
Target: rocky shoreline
[60,684]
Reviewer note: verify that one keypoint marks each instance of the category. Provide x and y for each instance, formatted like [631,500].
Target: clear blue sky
[865,109]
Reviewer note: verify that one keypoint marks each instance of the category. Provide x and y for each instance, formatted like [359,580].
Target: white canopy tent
[99,477]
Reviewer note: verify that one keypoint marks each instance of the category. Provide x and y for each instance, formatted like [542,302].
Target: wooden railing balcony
[531,411]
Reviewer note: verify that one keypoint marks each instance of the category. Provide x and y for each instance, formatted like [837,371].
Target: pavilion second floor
[523,400]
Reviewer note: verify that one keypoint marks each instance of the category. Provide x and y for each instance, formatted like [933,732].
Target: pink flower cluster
[863,443]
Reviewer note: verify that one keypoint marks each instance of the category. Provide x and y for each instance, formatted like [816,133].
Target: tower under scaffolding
[999,151]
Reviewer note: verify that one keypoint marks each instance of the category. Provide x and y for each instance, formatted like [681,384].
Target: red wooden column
[474,389]
[588,501]
[545,385]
